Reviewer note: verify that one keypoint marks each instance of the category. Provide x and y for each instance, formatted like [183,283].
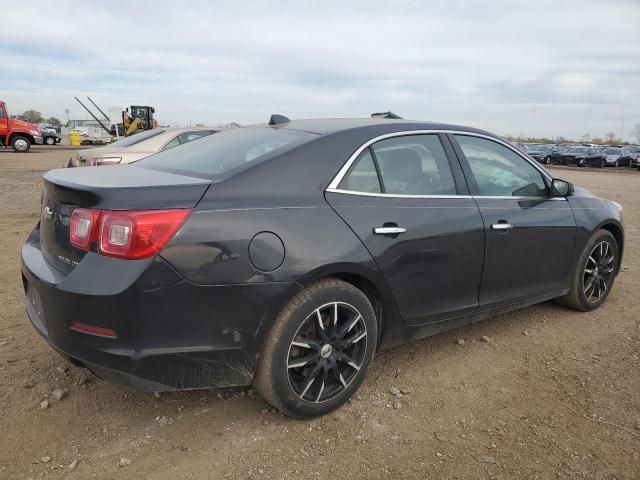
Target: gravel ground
[545,392]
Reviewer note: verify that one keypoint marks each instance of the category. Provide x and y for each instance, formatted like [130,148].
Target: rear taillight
[82,228]
[126,234]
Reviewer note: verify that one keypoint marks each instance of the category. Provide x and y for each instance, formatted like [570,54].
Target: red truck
[18,134]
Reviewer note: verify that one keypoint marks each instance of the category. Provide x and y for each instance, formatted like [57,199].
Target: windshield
[227,152]
[137,138]
[612,151]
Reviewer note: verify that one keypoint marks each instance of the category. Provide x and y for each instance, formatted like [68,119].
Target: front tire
[20,144]
[595,273]
[318,350]
[50,141]
[547,160]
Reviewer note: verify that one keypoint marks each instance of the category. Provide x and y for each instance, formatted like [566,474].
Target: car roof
[325,126]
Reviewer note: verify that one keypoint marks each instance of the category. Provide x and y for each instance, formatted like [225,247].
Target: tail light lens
[82,227]
[126,234]
[138,234]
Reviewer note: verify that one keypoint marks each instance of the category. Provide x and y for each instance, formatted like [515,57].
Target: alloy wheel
[327,352]
[598,271]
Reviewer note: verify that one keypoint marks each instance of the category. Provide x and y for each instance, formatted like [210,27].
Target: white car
[141,145]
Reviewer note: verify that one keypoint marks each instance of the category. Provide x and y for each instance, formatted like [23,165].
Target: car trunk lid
[123,187]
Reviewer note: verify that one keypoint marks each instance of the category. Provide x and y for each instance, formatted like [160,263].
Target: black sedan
[286,254]
[545,153]
[583,156]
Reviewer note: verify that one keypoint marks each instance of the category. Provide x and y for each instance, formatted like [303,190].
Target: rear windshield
[226,152]
[137,138]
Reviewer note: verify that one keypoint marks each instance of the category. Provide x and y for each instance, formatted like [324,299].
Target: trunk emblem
[48,212]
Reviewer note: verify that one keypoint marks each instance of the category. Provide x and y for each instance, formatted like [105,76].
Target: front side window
[499,171]
[1,112]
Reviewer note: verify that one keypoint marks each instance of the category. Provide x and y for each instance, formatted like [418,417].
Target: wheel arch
[616,230]
[370,282]
[29,137]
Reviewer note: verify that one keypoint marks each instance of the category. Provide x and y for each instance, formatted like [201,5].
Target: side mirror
[561,188]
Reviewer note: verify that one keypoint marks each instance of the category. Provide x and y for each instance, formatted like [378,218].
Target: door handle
[389,230]
[501,225]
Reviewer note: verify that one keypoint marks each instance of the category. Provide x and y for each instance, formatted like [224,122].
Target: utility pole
[621,129]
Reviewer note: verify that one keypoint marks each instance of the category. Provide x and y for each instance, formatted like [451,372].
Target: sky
[539,68]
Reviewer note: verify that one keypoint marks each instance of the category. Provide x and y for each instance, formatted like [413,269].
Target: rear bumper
[171,334]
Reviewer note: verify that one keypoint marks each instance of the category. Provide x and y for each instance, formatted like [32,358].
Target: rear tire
[547,160]
[602,163]
[312,363]
[20,144]
[595,273]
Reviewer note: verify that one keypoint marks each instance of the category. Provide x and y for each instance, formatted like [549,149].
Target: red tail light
[82,228]
[126,234]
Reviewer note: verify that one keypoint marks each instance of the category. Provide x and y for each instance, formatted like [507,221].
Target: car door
[529,236]
[409,205]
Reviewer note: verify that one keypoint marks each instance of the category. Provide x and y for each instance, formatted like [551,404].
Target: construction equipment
[140,118]
[135,119]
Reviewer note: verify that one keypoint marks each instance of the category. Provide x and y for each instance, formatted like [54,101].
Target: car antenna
[277,119]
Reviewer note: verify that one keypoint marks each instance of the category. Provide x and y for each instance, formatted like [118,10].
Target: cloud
[543,68]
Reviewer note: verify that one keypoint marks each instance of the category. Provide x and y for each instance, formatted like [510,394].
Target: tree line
[33,116]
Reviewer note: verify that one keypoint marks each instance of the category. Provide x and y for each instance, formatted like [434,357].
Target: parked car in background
[635,155]
[627,155]
[583,156]
[597,158]
[141,145]
[545,153]
[617,156]
[285,255]
[574,155]
[49,134]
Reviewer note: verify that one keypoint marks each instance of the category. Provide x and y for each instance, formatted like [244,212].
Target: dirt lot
[553,394]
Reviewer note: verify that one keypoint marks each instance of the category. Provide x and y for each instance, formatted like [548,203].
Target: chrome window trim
[394,195]
[333,186]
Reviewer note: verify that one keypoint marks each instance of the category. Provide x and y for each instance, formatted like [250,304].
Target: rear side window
[414,165]
[408,165]
[363,177]
[227,152]
[175,141]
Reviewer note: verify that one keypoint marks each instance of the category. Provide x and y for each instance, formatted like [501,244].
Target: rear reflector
[125,234]
[93,330]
